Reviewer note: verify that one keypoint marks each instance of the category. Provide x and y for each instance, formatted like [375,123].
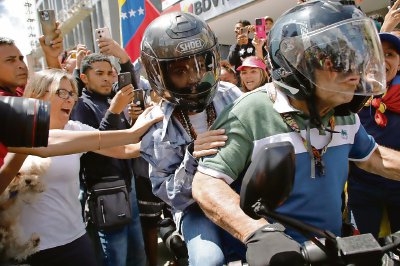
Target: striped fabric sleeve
[363,146]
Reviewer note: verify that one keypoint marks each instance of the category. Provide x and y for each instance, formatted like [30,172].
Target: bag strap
[109,179]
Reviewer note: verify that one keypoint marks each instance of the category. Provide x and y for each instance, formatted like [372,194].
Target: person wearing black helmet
[180,54]
[325,60]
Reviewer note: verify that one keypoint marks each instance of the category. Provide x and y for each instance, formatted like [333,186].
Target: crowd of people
[322,79]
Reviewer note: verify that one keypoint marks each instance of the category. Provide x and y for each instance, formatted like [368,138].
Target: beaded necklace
[183,118]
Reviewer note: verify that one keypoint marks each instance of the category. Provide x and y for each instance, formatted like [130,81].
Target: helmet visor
[190,75]
[345,57]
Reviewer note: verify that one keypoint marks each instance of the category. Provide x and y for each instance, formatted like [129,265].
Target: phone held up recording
[47,20]
[125,79]
[244,35]
[138,98]
[103,32]
[260,28]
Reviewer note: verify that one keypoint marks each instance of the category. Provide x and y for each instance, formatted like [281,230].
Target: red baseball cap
[252,61]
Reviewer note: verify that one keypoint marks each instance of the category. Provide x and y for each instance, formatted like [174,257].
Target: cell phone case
[260,28]
[124,79]
[139,98]
[48,23]
[103,32]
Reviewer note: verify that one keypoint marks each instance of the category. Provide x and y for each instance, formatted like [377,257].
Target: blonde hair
[40,83]
[264,79]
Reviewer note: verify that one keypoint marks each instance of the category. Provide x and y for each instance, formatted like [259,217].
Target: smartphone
[124,79]
[48,23]
[244,31]
[103,32]
[138,98]
[260,28]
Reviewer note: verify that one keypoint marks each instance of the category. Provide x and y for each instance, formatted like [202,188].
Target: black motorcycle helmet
[181,56]
[308,34]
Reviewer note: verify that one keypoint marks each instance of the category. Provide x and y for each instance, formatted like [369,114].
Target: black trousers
[79,252]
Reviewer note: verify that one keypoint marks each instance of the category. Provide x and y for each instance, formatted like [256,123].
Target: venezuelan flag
[135,15]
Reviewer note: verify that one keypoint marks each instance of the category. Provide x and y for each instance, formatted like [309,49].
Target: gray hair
[6,41]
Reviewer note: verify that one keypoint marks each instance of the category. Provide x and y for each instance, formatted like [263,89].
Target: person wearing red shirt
[14,72]
[13,77]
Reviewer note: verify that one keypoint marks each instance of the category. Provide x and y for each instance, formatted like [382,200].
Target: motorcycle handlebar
[312,253]
[359,250]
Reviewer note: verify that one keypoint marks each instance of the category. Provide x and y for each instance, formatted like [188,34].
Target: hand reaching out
[208,142]
[143,123]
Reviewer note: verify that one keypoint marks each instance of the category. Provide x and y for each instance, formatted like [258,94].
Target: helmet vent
[183,26]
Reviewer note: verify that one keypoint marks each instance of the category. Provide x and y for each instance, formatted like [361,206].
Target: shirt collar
[281,102]
[7,92]
[167,109]
[96,95]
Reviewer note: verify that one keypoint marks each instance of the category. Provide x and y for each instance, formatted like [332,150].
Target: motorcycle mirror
[269,177]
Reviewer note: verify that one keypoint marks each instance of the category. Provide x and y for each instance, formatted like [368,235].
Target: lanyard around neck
[315,154]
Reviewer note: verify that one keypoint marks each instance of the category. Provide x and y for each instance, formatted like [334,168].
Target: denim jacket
[164,147]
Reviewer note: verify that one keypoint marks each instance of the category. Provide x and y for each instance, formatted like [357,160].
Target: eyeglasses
[65,94]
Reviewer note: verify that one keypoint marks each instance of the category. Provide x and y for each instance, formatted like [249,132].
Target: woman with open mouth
[56,217]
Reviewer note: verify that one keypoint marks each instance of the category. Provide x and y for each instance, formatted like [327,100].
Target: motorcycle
[267,184]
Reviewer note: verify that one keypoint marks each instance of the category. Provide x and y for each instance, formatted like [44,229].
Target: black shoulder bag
[109,204]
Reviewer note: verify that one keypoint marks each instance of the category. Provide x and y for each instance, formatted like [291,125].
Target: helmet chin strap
[315,118]
[309,97]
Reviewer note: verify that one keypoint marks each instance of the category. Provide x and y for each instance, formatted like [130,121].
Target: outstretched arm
[384,162]
[122,152]
[63,142]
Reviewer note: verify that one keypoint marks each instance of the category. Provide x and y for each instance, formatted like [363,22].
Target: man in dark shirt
[243,46]
[93,108]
